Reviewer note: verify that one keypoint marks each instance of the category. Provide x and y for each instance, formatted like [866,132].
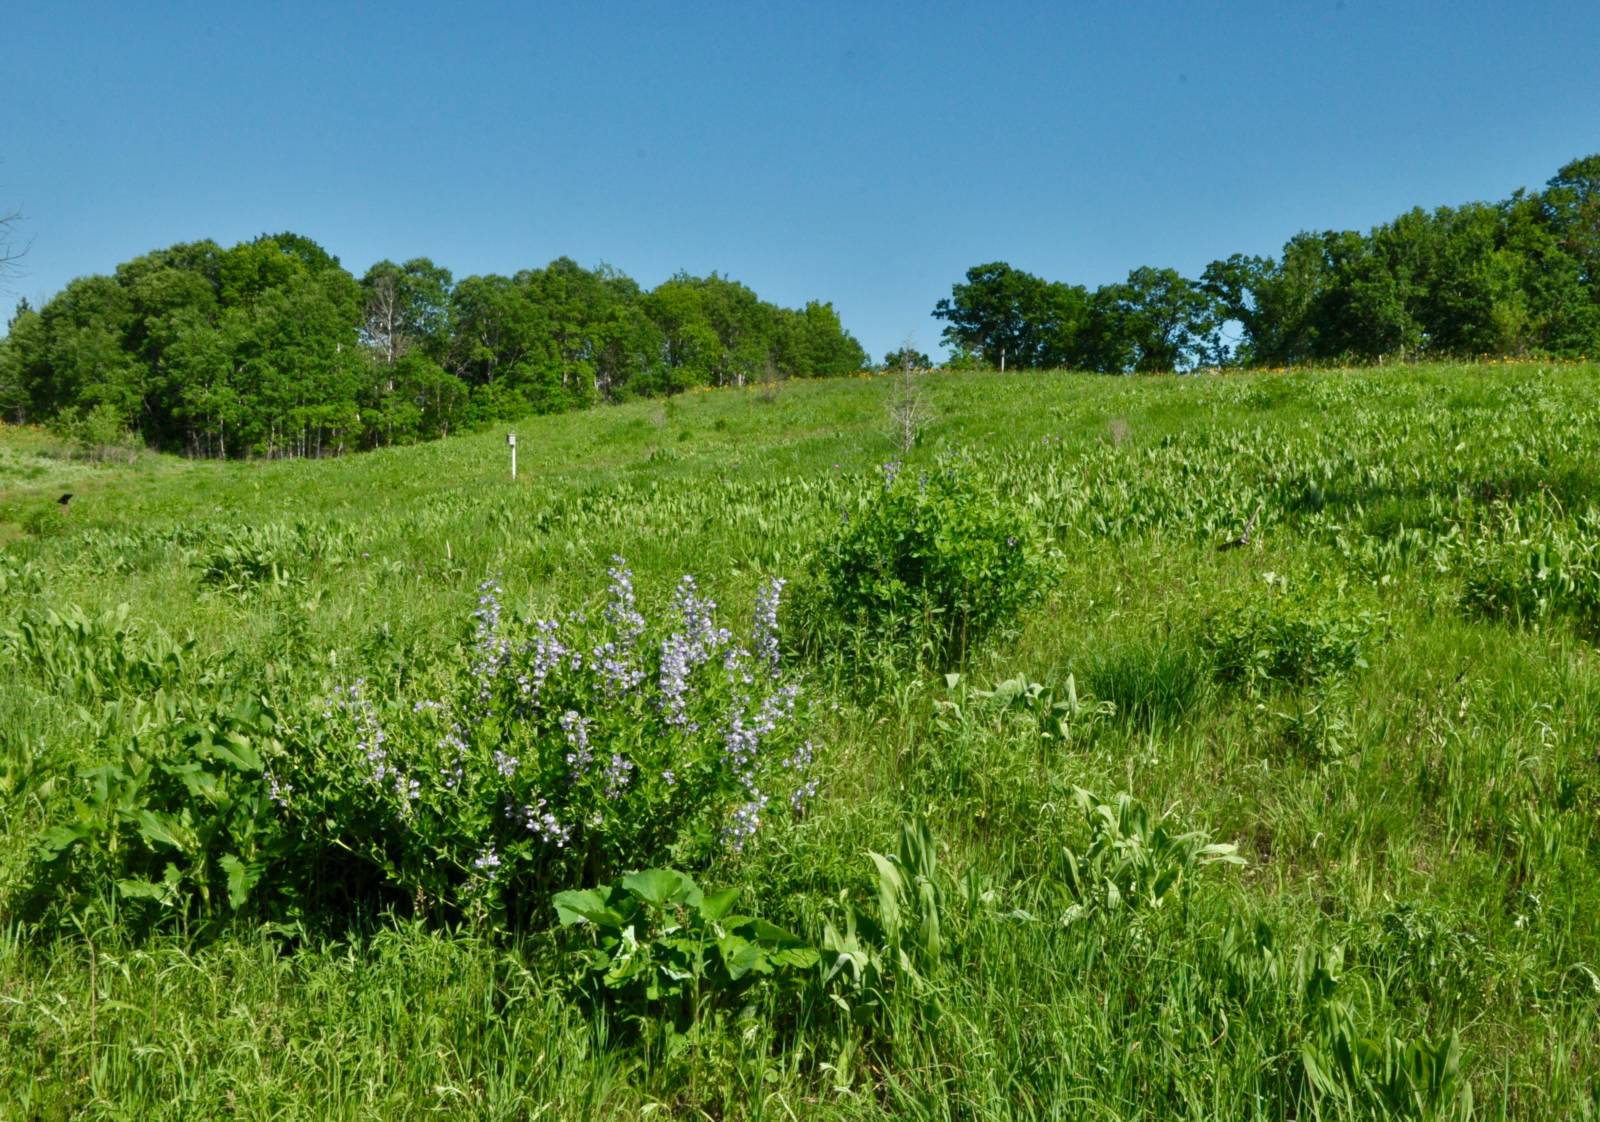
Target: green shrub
[242,559]
[179,830]
[900,941]
[45,521]
[1428,959]
[1132,863]
[1526,574]
[1286,639]
[100,434]
[927,562]
[1351,1057]
[91,658]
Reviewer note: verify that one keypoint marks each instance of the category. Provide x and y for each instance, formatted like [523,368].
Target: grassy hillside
[1388,698]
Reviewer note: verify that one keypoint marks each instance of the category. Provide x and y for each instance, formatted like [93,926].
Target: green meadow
[1276,795]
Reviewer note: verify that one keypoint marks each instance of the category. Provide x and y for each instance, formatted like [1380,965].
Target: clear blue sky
[862,153]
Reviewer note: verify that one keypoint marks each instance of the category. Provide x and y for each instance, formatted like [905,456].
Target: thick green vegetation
[379,787]
[1520,276]
[271,348]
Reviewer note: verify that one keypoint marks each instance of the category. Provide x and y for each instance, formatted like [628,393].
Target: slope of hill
[1386,694]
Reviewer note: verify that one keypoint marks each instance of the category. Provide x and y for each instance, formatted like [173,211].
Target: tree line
[272,348]
[1510,278]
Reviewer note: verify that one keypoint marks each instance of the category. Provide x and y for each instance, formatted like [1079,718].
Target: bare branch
[10,252]
[1243,539]
[909,412]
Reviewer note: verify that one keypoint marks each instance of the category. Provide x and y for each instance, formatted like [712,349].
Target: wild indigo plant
[564,750]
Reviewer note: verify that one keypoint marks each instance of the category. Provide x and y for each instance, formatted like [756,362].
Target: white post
[511,439]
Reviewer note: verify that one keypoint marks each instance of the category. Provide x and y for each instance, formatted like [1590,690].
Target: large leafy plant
[1133,862]
[1287,638]
[178,828]
[659,947]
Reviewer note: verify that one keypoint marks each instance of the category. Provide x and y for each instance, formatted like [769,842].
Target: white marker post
[511,439]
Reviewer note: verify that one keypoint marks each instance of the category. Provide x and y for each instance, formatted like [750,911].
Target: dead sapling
[909,411]
[1243,539]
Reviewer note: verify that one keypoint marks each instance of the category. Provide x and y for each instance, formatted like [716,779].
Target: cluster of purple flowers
[746,820]
[576,729]
[742,742]
[539,821]
[622,612]
[616,668]
[697,639]
[278,792]
[741,748]
[490,651]
[548,651]
[719,712]
[764,637]
[619,773]
[487,861]
[799,762]
[371,742]
[456,773]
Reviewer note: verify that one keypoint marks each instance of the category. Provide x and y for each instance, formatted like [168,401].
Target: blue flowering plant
[563,750]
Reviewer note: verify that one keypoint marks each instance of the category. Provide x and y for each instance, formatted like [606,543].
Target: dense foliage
[271,348]
[1516,277]
[549,752]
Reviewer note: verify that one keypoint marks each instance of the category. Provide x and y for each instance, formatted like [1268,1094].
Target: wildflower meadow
[1217,746]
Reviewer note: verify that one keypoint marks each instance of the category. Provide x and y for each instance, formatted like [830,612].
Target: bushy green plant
[659,948]
[1314,725]
[559,749]
[1283,638]
[920,919]
[100,433]
[903,937]
[179,830]
[246,558]
[88,658]
[1353,1058]
[1427,958]
[1058,713]
[927,561]
[1528,572]
[1150,683]
[994,757]
[1133,862]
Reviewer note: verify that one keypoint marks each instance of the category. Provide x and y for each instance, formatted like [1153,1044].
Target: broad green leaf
[587,905]
[662,886]
[714,905]
[57,840]
[143,890]
[238,752]
[163,829]
[241,879]
[740,957]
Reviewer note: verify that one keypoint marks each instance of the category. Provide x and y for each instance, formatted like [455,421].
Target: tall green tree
[1014,319]
[405,307]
